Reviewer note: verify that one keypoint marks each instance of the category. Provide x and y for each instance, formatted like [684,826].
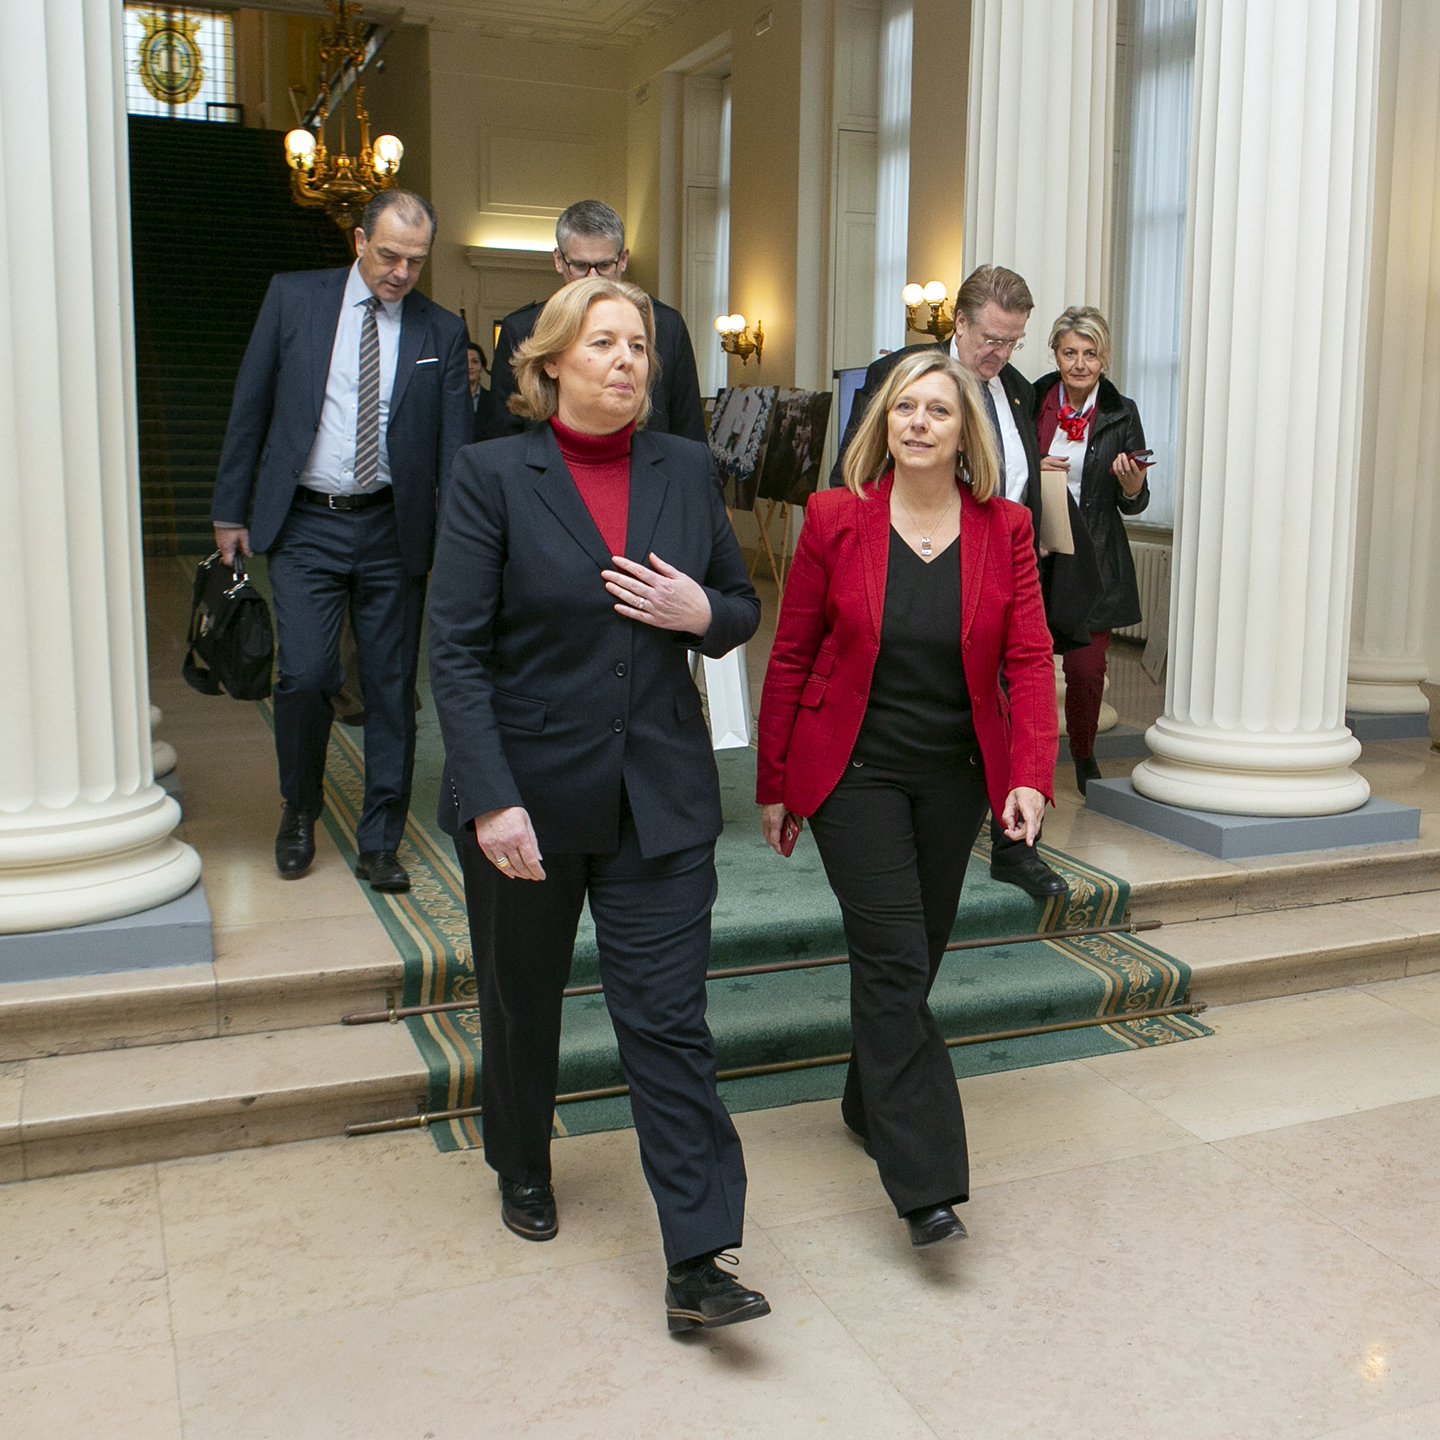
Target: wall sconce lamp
[941,320]
[736,339]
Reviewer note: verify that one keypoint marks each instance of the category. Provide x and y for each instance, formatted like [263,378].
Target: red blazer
[828,638]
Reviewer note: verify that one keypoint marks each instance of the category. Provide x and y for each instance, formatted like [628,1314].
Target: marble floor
[1234,1238]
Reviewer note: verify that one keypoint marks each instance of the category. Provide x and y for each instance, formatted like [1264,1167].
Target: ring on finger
[503,861]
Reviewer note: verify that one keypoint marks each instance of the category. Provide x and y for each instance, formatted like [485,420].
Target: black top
[918,716]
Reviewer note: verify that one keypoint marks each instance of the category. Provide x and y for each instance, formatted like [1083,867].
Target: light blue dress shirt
[331,466]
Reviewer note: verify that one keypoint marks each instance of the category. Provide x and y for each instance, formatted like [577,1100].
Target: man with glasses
[991,312]
[590,240]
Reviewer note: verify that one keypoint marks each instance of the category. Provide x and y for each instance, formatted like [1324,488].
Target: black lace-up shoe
[528,1210]
[931,1224]
[294,843]
[382,869]
[698,1292]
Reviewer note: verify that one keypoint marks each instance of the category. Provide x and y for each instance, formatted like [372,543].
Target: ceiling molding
[609,24]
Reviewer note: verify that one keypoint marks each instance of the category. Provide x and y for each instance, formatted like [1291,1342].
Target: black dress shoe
[1030,873]
[931,1224]
[528,1210]
[698,1292]
[1085,770]
[294,843]
[382,870]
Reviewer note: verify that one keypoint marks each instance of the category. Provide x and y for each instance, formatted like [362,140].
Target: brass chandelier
[340,182]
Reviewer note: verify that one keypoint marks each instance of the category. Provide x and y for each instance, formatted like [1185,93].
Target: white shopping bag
[727,686]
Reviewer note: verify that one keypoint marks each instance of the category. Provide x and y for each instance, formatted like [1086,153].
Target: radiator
[1152,573]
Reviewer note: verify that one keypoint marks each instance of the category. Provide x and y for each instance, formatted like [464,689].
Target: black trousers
[895,846]
[652,924]
[323,563]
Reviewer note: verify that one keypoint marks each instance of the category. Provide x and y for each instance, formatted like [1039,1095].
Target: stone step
[70,1113]
[168,1095]
[1262,954]
[1255,922]
[271,990]
[1208,889]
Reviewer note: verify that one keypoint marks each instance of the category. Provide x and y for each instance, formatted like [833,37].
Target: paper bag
[727,687]
[1055,534]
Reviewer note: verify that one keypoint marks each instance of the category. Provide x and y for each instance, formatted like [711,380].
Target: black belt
[345,502]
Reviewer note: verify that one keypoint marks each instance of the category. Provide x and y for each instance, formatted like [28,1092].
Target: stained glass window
[179,62]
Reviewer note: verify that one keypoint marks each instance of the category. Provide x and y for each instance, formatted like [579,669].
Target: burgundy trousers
[1084,689]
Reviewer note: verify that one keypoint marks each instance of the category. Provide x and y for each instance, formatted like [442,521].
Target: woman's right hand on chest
[507,840]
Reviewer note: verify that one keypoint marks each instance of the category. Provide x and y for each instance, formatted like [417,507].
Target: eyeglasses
[997,346]
[579,269]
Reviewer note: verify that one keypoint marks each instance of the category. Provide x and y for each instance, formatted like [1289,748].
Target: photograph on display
[789,469]
[737,436]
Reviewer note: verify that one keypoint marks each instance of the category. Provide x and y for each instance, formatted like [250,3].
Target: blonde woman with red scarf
[1088,429]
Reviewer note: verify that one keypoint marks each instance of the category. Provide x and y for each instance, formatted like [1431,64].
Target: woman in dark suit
[1088,429]
[883,721]
[576,565]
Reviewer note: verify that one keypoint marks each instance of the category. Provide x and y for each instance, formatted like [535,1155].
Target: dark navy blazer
[280,390]
[546,697]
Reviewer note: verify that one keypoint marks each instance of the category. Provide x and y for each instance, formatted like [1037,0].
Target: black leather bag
[231,645]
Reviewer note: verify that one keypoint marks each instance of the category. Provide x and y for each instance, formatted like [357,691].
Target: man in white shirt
[349,407]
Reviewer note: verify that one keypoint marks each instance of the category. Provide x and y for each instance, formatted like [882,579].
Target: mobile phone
[1145,458]
[789,832]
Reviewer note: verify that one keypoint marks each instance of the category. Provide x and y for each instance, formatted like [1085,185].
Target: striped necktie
[995,425]
[367,415]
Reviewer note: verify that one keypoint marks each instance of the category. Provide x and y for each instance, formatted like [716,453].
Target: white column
[1276,275]
[1400,444]
[1039,153]
[85,833]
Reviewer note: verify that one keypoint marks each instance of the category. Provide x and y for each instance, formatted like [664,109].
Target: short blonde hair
[536,395]
[1089,324]
[868,455]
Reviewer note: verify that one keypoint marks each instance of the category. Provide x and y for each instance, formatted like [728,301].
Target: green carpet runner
[769,909]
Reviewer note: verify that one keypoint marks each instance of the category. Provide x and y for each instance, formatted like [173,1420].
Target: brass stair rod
[1130,927]
[778,1067]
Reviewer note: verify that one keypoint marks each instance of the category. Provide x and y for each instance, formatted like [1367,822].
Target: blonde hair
[868,455]
[537,396]
[1089,324]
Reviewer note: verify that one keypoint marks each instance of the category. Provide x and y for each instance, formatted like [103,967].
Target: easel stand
[777,565]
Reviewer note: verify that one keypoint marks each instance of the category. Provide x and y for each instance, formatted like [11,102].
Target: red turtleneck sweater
[600,467]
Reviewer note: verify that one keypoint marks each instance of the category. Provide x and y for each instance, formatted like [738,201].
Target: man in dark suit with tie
[349,408]
[991,312]
[590,240]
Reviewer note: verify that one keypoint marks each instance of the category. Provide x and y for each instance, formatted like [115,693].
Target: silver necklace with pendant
[926,548]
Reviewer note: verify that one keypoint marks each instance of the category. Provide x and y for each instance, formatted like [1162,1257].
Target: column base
[1240,772]
[176,933]
[1240,837]
[1386,695]
[1378,725]
[92,862]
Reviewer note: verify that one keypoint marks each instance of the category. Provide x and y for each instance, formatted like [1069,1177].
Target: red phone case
[789,833]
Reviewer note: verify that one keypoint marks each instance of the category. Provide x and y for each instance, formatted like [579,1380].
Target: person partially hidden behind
[882,722]
[992,310]
[1086,428]
[590,240]
[477,369]
[577,565]
[350,406]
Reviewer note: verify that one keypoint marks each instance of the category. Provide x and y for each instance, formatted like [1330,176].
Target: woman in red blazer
[884,722]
